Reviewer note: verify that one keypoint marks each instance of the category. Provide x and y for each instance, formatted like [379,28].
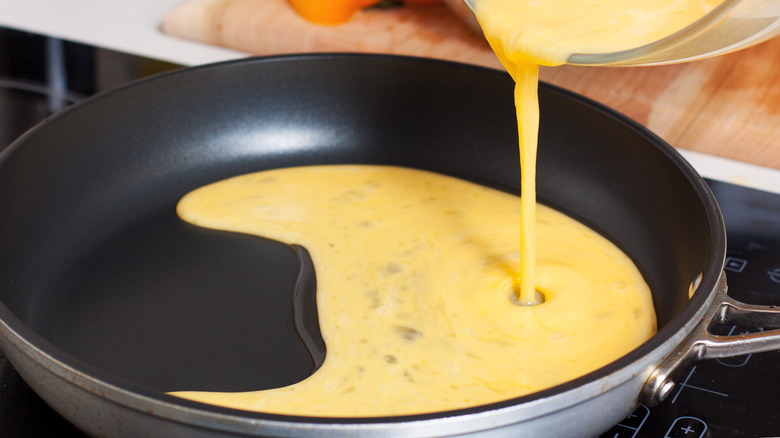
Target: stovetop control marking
[684,384]
[632,423]
[686,427]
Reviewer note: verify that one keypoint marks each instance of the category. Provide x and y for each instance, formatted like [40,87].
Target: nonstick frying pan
[108,300]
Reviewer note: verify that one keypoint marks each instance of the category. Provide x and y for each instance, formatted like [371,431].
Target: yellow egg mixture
[418,273]
[414,276]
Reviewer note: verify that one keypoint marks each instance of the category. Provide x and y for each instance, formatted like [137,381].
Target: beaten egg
[415,283]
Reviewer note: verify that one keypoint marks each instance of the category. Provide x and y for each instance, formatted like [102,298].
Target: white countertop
[133,26]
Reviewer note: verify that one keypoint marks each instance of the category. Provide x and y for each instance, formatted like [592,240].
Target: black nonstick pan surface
[98,273]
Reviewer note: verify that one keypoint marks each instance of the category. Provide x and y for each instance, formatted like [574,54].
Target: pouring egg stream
[419,275]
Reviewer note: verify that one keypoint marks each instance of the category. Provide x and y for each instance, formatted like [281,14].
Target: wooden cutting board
[727,106]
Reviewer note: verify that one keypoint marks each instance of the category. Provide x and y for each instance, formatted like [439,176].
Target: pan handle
[701,343]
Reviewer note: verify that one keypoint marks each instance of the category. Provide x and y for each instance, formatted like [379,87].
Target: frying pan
[108,300]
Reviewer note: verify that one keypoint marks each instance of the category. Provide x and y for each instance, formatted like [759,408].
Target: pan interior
[94,260]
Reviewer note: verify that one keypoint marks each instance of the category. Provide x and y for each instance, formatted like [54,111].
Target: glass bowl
[731,26]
